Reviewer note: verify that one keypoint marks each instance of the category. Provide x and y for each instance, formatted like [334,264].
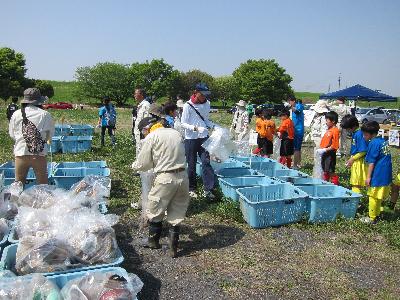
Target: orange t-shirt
[260,127]
[270,129]
[288,127]
[331,138]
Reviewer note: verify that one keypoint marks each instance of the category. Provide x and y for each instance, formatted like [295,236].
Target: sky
[314,41]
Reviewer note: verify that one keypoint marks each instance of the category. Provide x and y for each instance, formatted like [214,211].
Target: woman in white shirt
[31,127]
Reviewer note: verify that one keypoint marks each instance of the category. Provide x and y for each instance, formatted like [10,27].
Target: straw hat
[241,103]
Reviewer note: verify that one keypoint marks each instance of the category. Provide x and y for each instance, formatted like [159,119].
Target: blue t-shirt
[378,153]
[102,114]
[170,121]
[358,143]
[298,118]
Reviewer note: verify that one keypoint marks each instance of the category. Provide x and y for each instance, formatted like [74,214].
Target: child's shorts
[328,161]
[260,141]
[359,170]
[396,180]
[287,148]
[379,192]
[268,147]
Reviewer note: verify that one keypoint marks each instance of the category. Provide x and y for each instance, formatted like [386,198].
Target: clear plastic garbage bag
[147,180]
[277,148]
[102,286]
[8,198]
[317,170]
[37,287]
[39,196]
[242,148]
[4,229]
[219,144]
[93,186]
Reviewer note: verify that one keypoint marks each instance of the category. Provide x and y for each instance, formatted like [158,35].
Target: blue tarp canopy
[360,93]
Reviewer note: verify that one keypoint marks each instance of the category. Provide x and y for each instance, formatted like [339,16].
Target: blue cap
[203,89]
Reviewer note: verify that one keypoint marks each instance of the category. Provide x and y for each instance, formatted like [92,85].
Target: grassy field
[223,258]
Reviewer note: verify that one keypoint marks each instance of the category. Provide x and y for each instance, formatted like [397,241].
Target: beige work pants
[36,162]
[170,193]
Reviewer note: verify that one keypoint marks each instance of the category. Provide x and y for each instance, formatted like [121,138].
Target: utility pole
[339,79]
[329,88]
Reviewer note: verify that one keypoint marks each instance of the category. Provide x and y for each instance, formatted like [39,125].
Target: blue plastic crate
[82,164]
[76,144]
[62,130]
[8,260]
[237,172]
[288,174]
[55,144]
[229,186]
[273,205]
[298,181]
[253,159]
[267,167]
[82,130]
[9,177]
[65,178]
[326,202]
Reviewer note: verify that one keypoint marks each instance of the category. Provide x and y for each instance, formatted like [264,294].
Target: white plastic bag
[317,170]
[277,148]
[219,144]
[102,285]
[93,186]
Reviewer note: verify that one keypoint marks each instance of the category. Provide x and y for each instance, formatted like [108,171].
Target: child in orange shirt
[328,147]
[260,131]
[286,134]
[270,129]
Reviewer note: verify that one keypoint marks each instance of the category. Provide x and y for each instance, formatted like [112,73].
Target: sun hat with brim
[321,107]
[180,103]
[33,96]
[241,103]
[203,89]
[156,110]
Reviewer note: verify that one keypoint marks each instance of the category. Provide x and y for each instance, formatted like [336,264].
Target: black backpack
[31,135]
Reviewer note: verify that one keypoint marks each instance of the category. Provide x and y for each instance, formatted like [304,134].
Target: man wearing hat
[31,127]
[318,124]
[297,110]
[163,151]
[342,110]
[240,123]
[195,120]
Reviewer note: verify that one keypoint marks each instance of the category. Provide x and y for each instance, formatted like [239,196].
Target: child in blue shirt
[358,151]
[170,113]
[379,176]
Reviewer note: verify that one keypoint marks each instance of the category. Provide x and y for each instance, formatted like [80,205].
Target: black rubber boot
[153,241]
[173,241]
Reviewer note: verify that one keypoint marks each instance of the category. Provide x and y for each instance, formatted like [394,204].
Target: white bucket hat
[241,103]
[321,107]
[180,103]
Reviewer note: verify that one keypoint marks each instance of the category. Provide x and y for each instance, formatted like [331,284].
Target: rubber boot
[335,179]
[173,241]
[282,160]
[289,162]
[153,241]
[326,176]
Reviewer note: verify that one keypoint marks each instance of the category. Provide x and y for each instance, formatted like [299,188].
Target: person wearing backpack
[12,108]
[31,128]
[107,120]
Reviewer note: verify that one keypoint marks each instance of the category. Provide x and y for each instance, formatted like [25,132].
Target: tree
[193,77]
[45,87]
[12,73]
[156,77]
[226,89]
[105,80]
[263,80]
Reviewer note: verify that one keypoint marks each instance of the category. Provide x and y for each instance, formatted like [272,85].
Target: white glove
[201,129]
[321,151]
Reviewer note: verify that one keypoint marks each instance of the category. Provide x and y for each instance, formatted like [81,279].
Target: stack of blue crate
[72,138]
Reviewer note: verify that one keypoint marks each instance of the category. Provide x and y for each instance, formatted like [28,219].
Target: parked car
[372,114]
[58,105]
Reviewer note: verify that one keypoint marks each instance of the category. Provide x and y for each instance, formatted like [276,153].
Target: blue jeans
[192,149]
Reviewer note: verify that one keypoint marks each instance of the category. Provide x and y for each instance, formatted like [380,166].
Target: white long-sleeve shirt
[142,112]
[43,122]
[190,119]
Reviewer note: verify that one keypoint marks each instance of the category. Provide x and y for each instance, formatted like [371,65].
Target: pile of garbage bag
[219,145]
[8,198]
[93,186]
[37,287]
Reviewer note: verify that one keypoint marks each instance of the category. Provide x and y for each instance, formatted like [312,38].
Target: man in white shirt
[195,121]
[30,150]
[342,110]
[240,124]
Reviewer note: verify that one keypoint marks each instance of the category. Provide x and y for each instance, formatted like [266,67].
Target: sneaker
[368,220]
[136,205]
[193,195]
[209,195]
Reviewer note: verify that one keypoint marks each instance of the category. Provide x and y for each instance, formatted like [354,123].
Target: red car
[58,105]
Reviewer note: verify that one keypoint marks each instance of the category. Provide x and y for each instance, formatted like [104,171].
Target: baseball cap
[203,89]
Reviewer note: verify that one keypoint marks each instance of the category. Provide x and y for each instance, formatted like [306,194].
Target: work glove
[201,129]
[321,151]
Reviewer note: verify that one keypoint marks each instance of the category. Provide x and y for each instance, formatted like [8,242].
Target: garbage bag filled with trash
[219,144]
[93,186]
[37,287]
[317,170]
[4,228]
[8,198]
[102,286]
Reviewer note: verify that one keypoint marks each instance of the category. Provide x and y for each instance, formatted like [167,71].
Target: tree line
[257,81]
